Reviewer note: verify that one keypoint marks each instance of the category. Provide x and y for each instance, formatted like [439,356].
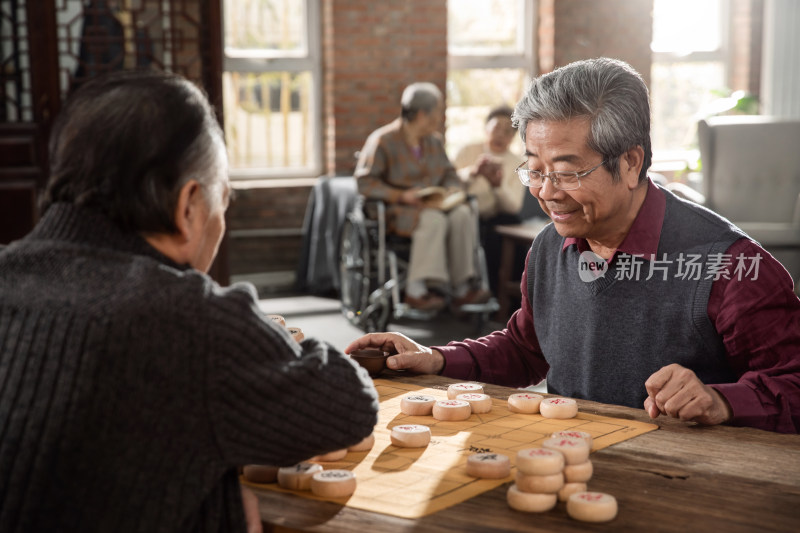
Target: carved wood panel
[49,47]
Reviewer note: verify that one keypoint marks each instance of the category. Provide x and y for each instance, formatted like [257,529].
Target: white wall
[780,77]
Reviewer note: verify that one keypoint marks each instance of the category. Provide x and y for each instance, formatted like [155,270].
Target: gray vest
[603,338]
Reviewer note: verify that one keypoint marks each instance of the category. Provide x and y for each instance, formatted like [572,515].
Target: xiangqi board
[414,482]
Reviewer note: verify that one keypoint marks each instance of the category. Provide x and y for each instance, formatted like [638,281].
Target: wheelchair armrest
[373,208]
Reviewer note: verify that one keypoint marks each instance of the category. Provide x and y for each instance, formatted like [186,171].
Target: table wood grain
[681,477]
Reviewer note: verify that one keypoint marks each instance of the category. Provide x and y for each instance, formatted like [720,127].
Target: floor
[322,318]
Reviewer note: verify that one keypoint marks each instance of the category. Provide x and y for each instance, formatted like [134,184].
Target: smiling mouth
[560,215]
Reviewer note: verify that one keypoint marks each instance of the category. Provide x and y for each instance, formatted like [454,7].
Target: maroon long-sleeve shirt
[759,323]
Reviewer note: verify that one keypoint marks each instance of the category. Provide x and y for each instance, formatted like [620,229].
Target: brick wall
[373,50]
[264,227]
[583,29]
[746,26]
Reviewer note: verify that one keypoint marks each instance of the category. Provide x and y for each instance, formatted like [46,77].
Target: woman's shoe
[427,302]
[473,296]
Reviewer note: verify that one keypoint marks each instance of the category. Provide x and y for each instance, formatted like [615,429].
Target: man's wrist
[724,407]
[440,362]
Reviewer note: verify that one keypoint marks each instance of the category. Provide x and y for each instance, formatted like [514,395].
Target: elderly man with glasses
[631,296]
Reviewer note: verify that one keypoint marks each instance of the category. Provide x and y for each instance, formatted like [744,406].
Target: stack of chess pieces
[310,475]
[557,471]
[296,333]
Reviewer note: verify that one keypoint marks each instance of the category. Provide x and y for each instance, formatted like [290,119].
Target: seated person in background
[631,296]
[488,168]
[397,161]
[132,384]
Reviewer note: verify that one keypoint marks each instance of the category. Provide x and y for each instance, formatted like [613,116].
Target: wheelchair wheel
[362,304]
[354,268]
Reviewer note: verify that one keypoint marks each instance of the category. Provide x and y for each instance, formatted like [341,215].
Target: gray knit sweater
[132,387]
[604,338]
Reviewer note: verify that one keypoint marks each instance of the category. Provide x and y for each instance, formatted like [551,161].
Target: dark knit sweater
[132,387]
[602,339]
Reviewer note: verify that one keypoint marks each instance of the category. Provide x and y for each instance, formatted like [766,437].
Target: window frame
[679,159]
[257,62]
[525,60]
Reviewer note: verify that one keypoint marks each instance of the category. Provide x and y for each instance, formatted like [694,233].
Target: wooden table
[679,478]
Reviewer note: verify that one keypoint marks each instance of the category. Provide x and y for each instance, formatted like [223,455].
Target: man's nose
[547,191]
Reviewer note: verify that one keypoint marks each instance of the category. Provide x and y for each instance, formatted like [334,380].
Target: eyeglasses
[563,181]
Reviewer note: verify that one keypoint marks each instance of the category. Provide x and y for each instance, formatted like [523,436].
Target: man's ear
[630,165]
[186,211]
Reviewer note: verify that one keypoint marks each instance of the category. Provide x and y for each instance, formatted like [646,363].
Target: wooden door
[28,102]
[49,47]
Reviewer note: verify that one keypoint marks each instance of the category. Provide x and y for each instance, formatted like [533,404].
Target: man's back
[102,398]
[118,405]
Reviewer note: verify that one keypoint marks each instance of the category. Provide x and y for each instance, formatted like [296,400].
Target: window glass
[682,91]
[484,27]
[490,60]
[688,74]
[255,27]
[471,93]
[266,119]
[271,88]
[685,26]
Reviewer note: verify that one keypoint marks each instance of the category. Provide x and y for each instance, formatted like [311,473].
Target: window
[271,87]
[688,76]
[490,61]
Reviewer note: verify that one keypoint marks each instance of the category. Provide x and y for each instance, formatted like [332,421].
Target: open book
[442,198]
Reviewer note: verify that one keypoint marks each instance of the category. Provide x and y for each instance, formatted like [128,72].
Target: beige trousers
[443,246]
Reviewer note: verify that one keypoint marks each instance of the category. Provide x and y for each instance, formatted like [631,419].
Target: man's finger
[657,380]
[404,361]
[395,362]
[381,341]
[651,408]
[693,409]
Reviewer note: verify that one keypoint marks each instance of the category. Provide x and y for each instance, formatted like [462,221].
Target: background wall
[580,29]
[372,50]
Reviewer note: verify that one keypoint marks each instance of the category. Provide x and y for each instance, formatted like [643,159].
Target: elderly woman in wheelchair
[400,163]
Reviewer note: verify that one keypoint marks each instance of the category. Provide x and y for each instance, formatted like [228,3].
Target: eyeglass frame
[554,181]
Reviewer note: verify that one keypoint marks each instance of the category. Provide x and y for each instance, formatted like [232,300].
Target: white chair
[751,176]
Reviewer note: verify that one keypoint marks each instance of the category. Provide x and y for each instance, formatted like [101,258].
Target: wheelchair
[373,269]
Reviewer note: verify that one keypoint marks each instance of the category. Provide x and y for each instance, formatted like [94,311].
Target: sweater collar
[88,227]
[642,239]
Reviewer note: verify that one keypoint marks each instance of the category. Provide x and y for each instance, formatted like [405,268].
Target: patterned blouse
[387,166]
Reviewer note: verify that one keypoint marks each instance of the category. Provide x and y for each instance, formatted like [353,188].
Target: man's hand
[409,355]
[677,392]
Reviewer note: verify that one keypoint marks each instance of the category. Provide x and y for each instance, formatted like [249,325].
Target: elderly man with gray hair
[631,296]
[132,386]
[397,161]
